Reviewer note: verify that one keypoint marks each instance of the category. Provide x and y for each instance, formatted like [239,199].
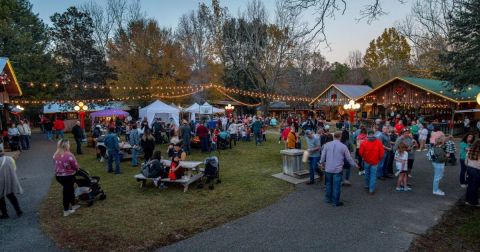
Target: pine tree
[82,64]
[461,62]
[24,40]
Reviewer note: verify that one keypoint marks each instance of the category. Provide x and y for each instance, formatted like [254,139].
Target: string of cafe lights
[190,88]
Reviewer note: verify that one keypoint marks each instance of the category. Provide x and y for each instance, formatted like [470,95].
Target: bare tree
[325,9]
[355,62]
[110,18]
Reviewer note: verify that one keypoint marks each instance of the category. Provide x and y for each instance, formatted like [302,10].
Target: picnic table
[192,174]
[125,150]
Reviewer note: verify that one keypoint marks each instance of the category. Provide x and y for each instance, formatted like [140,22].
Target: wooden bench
[192,174]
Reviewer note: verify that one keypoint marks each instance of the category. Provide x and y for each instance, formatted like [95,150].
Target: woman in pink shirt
[65,168]
[436,134]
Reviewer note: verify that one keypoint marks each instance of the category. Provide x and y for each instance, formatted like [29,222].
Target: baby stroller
[223,140]
[211,172]
[88,187]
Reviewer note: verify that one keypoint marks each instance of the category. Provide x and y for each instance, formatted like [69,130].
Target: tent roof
[50,108]
[160,105]
[193,108]
[109,112]
[13,89]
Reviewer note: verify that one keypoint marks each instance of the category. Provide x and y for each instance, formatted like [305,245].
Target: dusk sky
[344,33]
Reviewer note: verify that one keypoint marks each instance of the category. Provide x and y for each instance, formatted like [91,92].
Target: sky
[344,32]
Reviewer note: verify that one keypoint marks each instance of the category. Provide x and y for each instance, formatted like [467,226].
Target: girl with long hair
[65,168]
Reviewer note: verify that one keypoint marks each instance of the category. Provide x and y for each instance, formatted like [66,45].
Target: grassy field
[134,218]
[459,230]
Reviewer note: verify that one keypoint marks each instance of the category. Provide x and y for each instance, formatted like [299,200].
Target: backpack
[437,155]
[151,170]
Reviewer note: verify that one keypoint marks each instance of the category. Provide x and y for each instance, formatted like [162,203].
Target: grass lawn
[459,230]
[134,218]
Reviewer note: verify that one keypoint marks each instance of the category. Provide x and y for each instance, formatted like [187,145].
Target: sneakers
[468,204]
[463,185]
[439,193]
[399,189]
[409,175]
[407,189]
[75,207]
[102,159]
[346,183]
[68,212]
[360,173]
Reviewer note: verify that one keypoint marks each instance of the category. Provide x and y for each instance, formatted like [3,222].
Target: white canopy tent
[205,109]
[160,110]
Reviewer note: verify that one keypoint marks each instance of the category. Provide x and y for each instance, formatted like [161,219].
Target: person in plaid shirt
[450,150]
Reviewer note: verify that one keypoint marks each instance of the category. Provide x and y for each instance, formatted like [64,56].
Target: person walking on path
[65,168]
[48,129]
[23,135]
[77,132]
[134,141]
[438,156]
[361,137]
[473,171]
[9,185]
[313,148]
[186,136]
[113,150]
[334,154]
[372,153]
[347,168]
[465,146]
[406,138]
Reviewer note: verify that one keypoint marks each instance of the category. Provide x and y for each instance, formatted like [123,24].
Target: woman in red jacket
[371,152]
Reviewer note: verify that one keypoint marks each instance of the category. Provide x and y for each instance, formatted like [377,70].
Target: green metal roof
[444,88]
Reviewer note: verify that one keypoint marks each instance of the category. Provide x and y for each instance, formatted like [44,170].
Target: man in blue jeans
[313,148]
[333,156]
[113,150]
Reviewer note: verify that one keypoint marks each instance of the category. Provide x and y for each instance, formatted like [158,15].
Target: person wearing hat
[411,144]
[186,136]
[9,185]
[372,153]
[313,148]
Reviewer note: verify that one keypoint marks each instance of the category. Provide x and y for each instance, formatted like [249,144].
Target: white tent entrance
[160,110]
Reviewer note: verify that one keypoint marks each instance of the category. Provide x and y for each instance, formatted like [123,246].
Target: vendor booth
[204,109]
[109,113]
[160,110]
[9,87]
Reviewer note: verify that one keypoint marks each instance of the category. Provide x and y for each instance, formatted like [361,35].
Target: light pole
[351,107]
[81,108]
[229,109]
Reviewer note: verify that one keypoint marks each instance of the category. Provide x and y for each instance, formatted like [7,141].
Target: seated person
[178,155]
[155,169]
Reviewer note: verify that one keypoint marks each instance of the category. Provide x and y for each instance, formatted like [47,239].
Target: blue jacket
[111,142]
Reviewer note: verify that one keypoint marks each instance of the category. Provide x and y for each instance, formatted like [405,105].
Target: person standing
[422,137]
[233,130]
[203,134]
[257,131]
[333,156]
[465,146]
[438,157]
[28,133]
[157,128]
[399,127]
[134,141]
[292,138]
[466,125]
[372,153]
[148,144]
[406,138]
[23,135]
[186,136]
[77,132]
[382,169]
[473,171]
[414,130]
[347,168]
[313,148]
[59,127]
[437,133]
[9,185]
[361,137]
[65,168]
[48,129]
[113,150]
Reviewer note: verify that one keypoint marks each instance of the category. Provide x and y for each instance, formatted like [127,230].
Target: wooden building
[433,99]
[330,102]
[9,87]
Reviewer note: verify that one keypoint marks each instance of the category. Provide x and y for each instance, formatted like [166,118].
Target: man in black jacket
[77,132]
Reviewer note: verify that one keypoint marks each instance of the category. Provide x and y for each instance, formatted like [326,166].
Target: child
[401,158]
[450,150]
[244,134]
[264,134]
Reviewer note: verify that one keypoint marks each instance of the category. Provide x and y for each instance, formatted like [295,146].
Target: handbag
[171,173]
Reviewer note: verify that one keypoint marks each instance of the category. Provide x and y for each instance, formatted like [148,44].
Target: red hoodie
[371,151]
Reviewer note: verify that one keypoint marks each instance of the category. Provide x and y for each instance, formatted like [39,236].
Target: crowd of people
[381,151]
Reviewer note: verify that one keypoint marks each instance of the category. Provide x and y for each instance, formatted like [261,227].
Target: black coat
[77,132]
